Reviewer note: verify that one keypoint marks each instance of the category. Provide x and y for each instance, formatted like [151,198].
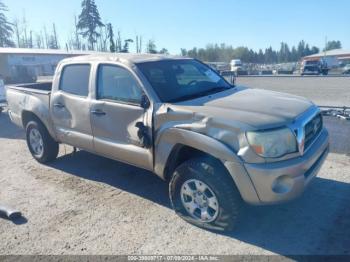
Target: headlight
[273,143]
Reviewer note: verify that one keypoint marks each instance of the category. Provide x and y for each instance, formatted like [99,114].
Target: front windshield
[180,80]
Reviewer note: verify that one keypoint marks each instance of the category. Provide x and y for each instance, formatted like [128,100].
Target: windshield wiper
[201,94]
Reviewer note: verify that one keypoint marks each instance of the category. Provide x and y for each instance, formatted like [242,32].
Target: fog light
[283,184]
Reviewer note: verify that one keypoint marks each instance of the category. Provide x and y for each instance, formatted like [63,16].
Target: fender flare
[170,138]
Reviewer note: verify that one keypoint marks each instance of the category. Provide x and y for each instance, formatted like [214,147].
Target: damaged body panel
[158,112]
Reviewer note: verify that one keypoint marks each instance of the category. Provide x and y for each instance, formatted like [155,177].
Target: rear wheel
[203,193]
[41,145]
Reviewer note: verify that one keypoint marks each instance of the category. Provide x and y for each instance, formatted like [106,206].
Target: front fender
[171,137]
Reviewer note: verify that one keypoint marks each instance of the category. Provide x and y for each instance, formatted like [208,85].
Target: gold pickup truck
[218,145]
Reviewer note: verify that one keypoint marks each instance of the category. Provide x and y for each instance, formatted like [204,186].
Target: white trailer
[236,65]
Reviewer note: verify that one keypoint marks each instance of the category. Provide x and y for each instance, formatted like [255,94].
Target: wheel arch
[178,155]
[27,116]
[175,146]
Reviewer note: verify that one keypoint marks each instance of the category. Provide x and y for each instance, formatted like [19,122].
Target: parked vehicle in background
[314,67]
[2,95]
[236,65]
[346,69]
[217,144]
[219,66]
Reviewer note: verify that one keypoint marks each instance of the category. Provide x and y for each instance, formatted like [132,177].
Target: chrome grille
[312,130]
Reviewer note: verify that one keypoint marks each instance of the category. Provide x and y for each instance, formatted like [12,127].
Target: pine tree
[119,47]
[17,33]
[138,44]
[30,40]
[164,51]
[126,45]
[301,49]
[77,43]
[315,50]
[331,45]
[38,41]
[151,47]
[6,30]
[294,55]
[89,21]
[111,38]
[54,37]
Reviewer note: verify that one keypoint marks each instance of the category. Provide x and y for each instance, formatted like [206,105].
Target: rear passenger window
[75,79]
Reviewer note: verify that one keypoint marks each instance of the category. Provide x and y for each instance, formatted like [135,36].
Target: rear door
[70,106]
[116,117]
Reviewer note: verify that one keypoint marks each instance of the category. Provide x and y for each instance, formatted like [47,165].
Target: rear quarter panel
[36,102]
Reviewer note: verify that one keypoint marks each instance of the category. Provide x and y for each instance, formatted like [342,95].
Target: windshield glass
[180,80]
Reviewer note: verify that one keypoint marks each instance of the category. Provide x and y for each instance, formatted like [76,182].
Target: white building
[333,58]
[19,65]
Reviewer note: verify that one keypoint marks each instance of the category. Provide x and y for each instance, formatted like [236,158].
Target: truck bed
[33,87]
[33,98]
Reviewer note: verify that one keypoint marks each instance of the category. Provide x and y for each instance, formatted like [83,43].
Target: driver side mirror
[145,103]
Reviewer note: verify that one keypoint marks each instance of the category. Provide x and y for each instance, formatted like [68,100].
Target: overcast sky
[188,23]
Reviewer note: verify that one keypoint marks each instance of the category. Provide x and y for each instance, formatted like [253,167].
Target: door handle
[58,105]
[98,112]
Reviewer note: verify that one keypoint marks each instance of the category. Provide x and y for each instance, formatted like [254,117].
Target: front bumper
[286,180]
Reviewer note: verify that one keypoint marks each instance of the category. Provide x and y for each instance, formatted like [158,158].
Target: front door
[117,115]
[70,107]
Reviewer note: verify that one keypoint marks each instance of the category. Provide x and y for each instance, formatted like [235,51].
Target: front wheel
[41,145]
[203,193]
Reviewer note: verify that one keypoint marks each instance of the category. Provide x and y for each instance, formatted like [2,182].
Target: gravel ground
[328,91]
[85,204]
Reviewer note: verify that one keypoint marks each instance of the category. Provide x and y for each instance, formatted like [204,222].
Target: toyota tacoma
[217,144]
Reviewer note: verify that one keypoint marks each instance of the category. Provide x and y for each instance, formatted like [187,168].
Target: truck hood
[253,107]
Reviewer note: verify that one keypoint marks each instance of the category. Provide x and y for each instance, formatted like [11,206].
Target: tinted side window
[118,84]
[75,79]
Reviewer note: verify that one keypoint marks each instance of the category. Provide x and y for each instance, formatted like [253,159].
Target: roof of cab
[123,58]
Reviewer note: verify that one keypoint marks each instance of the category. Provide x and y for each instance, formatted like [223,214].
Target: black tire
[215,175]
[50,146]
